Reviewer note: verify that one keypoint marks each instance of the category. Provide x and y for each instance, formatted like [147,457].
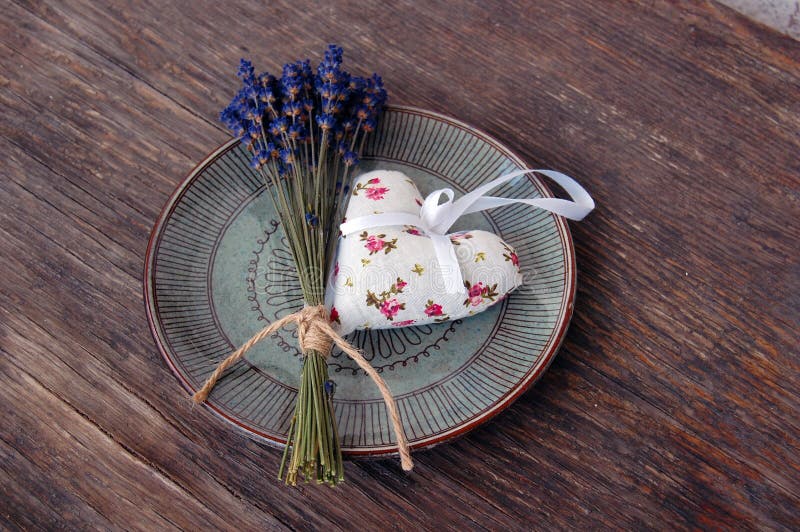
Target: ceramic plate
[218,270]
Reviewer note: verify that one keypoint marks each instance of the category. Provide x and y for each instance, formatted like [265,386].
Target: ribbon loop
[436,218]
[433,213]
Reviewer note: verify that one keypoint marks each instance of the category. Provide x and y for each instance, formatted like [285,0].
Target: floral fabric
[389,276]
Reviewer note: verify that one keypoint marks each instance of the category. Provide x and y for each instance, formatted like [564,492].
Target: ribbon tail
[448,263]
[567,209]
[577,209]
[580,205]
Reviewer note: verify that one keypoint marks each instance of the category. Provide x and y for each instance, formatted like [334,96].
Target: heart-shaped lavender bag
[395,266]
[389,276]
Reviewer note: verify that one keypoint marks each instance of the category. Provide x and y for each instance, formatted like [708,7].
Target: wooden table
[675,400]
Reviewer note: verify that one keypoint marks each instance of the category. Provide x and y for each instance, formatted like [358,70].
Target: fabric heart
[389,276]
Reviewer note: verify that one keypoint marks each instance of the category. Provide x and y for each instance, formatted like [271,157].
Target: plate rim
[565,318]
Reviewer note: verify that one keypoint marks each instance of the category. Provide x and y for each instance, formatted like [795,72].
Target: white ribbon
[436,219]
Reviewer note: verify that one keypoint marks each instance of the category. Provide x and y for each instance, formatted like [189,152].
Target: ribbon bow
[436,218]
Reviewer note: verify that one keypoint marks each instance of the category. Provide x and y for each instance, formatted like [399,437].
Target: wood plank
[71,452]
[675,398]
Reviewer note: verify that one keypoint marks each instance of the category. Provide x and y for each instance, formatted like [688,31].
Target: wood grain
[675,400]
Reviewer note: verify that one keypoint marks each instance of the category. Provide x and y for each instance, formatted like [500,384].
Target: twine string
[314,333]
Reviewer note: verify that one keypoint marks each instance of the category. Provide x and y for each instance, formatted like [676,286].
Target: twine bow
[315,333]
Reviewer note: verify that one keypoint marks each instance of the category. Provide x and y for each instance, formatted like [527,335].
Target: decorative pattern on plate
[204,296]
[274,290]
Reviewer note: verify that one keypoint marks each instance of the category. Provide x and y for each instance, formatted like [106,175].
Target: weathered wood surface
[675,400]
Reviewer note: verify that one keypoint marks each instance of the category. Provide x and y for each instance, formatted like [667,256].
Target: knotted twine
[314,333]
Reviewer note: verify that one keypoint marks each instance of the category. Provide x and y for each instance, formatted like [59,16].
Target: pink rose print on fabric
[390,308]
[475,297]
[478,293]
[411,230]
[371,191]
[404,323]
[376,193]
[456,238]
[433,309]
[376,243]
[386,302]
[511,255]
